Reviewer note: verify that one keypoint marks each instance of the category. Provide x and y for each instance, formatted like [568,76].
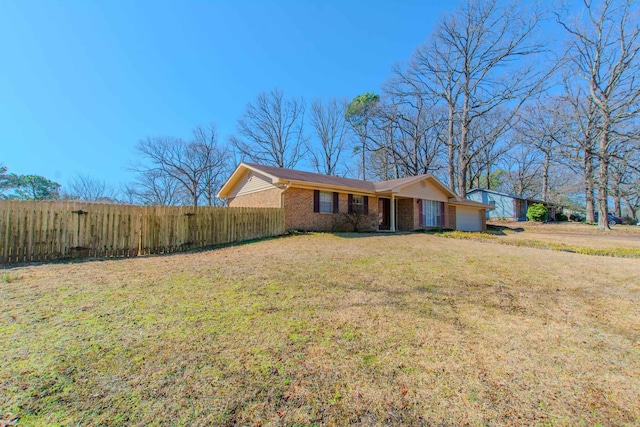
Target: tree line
[488,100]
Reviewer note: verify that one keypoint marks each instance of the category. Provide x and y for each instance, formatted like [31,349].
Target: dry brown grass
[326,330]
[621,240]
[569,228]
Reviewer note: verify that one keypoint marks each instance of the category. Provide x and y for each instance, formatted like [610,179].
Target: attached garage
[469,218]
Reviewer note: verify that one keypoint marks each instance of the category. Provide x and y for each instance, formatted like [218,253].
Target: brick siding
[299,214]
[407,215]
[451,216]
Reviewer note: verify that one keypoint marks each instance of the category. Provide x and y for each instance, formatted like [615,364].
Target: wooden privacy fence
[41,231]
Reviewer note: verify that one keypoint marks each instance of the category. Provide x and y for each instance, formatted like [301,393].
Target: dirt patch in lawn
[325,329]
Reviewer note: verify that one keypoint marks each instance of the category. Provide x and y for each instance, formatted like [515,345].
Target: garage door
[468,219]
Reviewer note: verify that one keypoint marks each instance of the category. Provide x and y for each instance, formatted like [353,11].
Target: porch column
[393,214]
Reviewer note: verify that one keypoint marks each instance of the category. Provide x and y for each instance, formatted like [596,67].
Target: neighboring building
[507,206]
[316,202]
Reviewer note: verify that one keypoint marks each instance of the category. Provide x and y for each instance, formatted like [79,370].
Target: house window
[431,213]
[357,204]
[326,202]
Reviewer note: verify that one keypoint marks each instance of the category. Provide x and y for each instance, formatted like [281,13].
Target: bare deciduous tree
[215,158]
[522,165]
[487,146]
[154,187]
[271,130]
[479,59]
[631,194]
[86,187]
[328,122]
[604,53]
[578,150]
[433,72]
[195,164]
[416,120]
[542,126]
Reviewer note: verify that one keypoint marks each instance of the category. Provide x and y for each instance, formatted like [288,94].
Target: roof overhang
[319,186]
[384,188]
[469,204]
[397,189]
[242,168]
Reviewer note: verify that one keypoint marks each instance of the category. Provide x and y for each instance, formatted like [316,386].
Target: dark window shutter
[335,202]
[365,207]
[420,221]
[350,203]
[442,219]
[316,200]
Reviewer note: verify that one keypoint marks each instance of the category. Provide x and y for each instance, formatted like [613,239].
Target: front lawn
[325,329]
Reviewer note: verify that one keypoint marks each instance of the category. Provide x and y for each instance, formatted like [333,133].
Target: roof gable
[285,176]
[312,178]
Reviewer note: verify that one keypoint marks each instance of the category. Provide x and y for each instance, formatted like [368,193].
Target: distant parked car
[577,217]
[611,219]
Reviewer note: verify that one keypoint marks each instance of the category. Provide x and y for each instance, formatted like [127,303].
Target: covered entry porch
[398,213]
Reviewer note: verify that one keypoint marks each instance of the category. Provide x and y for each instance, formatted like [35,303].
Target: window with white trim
[326,202]
[432,213]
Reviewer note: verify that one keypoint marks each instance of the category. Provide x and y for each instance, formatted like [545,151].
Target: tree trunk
[463,170]
[194,195]
[463,167]
[451,150]
[363,141]
[632,210]
[545,177]
[603,175]
[603,195]
[589,186]
[488,176]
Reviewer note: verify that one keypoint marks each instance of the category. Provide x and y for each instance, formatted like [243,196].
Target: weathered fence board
[43,231]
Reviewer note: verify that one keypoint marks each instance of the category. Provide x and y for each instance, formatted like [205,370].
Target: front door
[384,214]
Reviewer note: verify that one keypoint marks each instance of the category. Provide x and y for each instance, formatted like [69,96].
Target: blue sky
[81,82]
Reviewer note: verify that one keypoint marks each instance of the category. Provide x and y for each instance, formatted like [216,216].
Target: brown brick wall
[451,216]
[299,214]
[407,215]
[260,199]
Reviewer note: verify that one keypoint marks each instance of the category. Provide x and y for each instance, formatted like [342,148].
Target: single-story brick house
[316,202]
